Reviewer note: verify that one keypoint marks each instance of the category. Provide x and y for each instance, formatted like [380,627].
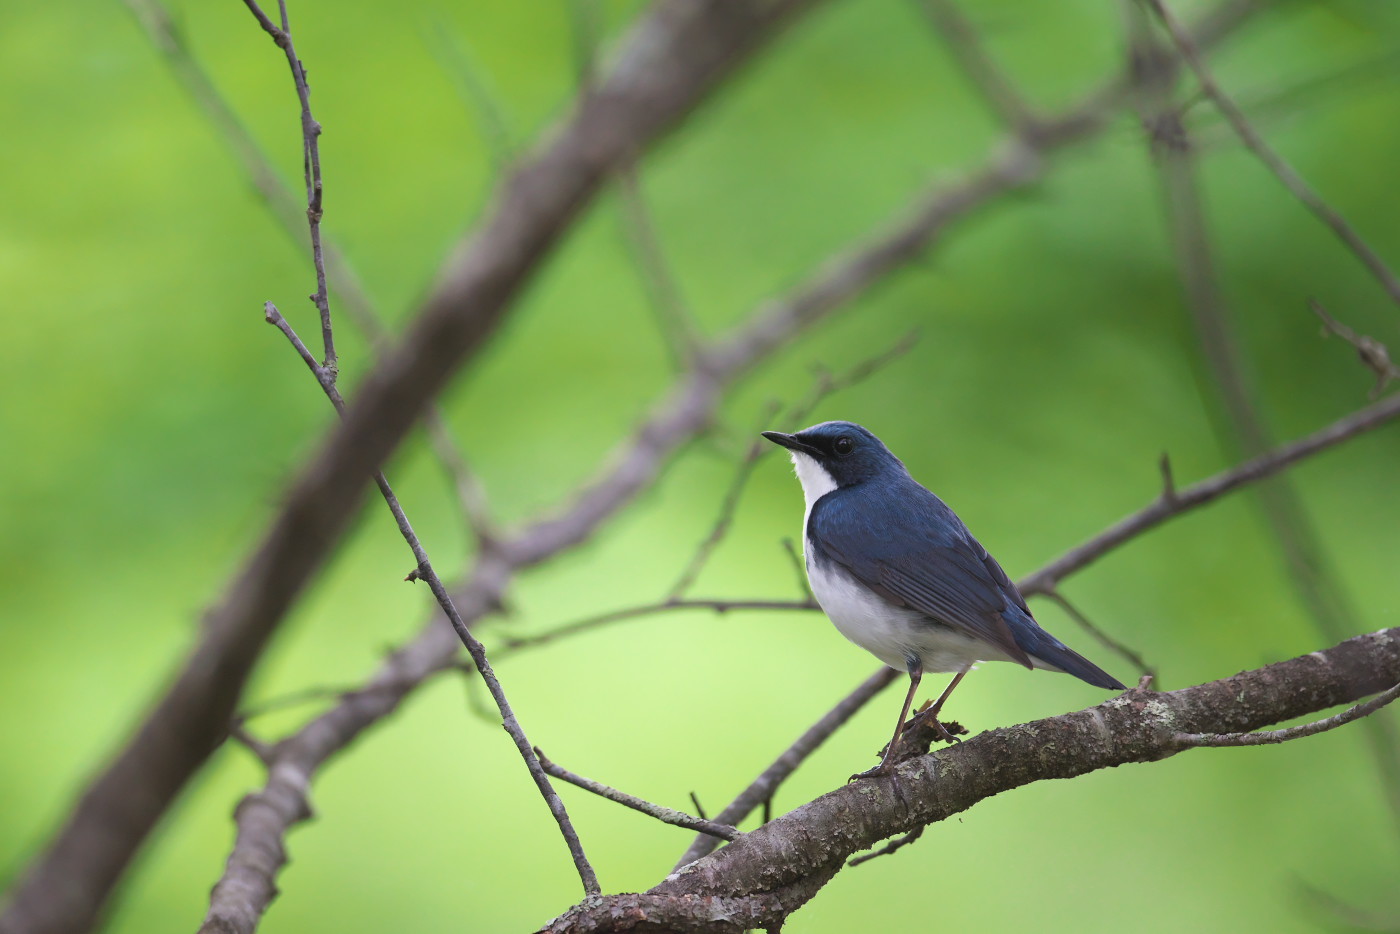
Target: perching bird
[901,576]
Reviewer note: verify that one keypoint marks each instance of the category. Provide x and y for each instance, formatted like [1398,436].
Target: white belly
[890,633]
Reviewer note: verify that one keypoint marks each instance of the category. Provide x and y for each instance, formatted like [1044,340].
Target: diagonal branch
[774,869]
[1275,163]
[663,814]
[982,72]
[425,572]
[1205,491]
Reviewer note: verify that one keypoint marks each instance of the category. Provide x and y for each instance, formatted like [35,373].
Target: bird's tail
[1048,652]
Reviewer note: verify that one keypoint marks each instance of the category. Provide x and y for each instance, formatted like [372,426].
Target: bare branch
[674,318]
[1372,352]
[1271,159]
[1243,427]
[214,922]
[282,204]
[894,845]
[788,859]
[825,385]
[986,78]
[515,643]
[1271,737]
[1104,639]
[1199,494]
[762,789]
[664,814]
[311,136]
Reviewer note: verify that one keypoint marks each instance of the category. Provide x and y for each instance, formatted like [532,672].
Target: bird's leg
[931,714]
[916,672]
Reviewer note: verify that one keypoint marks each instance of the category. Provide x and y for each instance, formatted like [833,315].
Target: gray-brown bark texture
[759,879]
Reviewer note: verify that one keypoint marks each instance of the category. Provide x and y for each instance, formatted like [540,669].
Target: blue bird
[899,574]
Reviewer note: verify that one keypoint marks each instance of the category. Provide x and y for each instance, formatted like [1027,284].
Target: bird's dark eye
[843,446]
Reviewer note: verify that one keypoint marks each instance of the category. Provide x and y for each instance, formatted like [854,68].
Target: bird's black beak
[790,442]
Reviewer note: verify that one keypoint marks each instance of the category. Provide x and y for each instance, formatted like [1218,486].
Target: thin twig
[1374,354]
[803,585]
[729,504]
[476,93]
[311,135]
[474,647]
[1271,159]
[763,787]
[282,204]
[264,751]
[1270,737]
[823,386]
[1243,428]
[663,814]
[472,501]
[1112,644]
[986,78]
[1205,491]
[515,643]
[896,844]
[674,317]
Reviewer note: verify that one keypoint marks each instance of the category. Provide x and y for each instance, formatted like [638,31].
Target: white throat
[816,483]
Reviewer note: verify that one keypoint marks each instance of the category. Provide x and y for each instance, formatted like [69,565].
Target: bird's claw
[883,768]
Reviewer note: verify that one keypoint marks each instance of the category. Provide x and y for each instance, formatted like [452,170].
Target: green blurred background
[151,421]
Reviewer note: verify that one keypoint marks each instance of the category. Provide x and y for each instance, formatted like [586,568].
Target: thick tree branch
[761,875]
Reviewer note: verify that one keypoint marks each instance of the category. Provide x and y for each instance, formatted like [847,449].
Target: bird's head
[836,454]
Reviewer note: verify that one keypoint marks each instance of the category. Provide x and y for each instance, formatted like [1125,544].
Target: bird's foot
[884,768]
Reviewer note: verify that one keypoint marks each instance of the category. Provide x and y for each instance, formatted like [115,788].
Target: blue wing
[918,555]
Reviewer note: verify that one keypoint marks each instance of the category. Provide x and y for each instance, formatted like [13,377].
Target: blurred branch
[774,869]
[1372,352]
[1104,639]
[825,385]
[677,53]
[761,789]
[985,77]
[1243,428]
[664,814]
[674,318]
[476,93]
[332,266]
[1271,159]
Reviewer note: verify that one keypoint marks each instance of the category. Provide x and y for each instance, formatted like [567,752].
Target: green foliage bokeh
[151,421]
